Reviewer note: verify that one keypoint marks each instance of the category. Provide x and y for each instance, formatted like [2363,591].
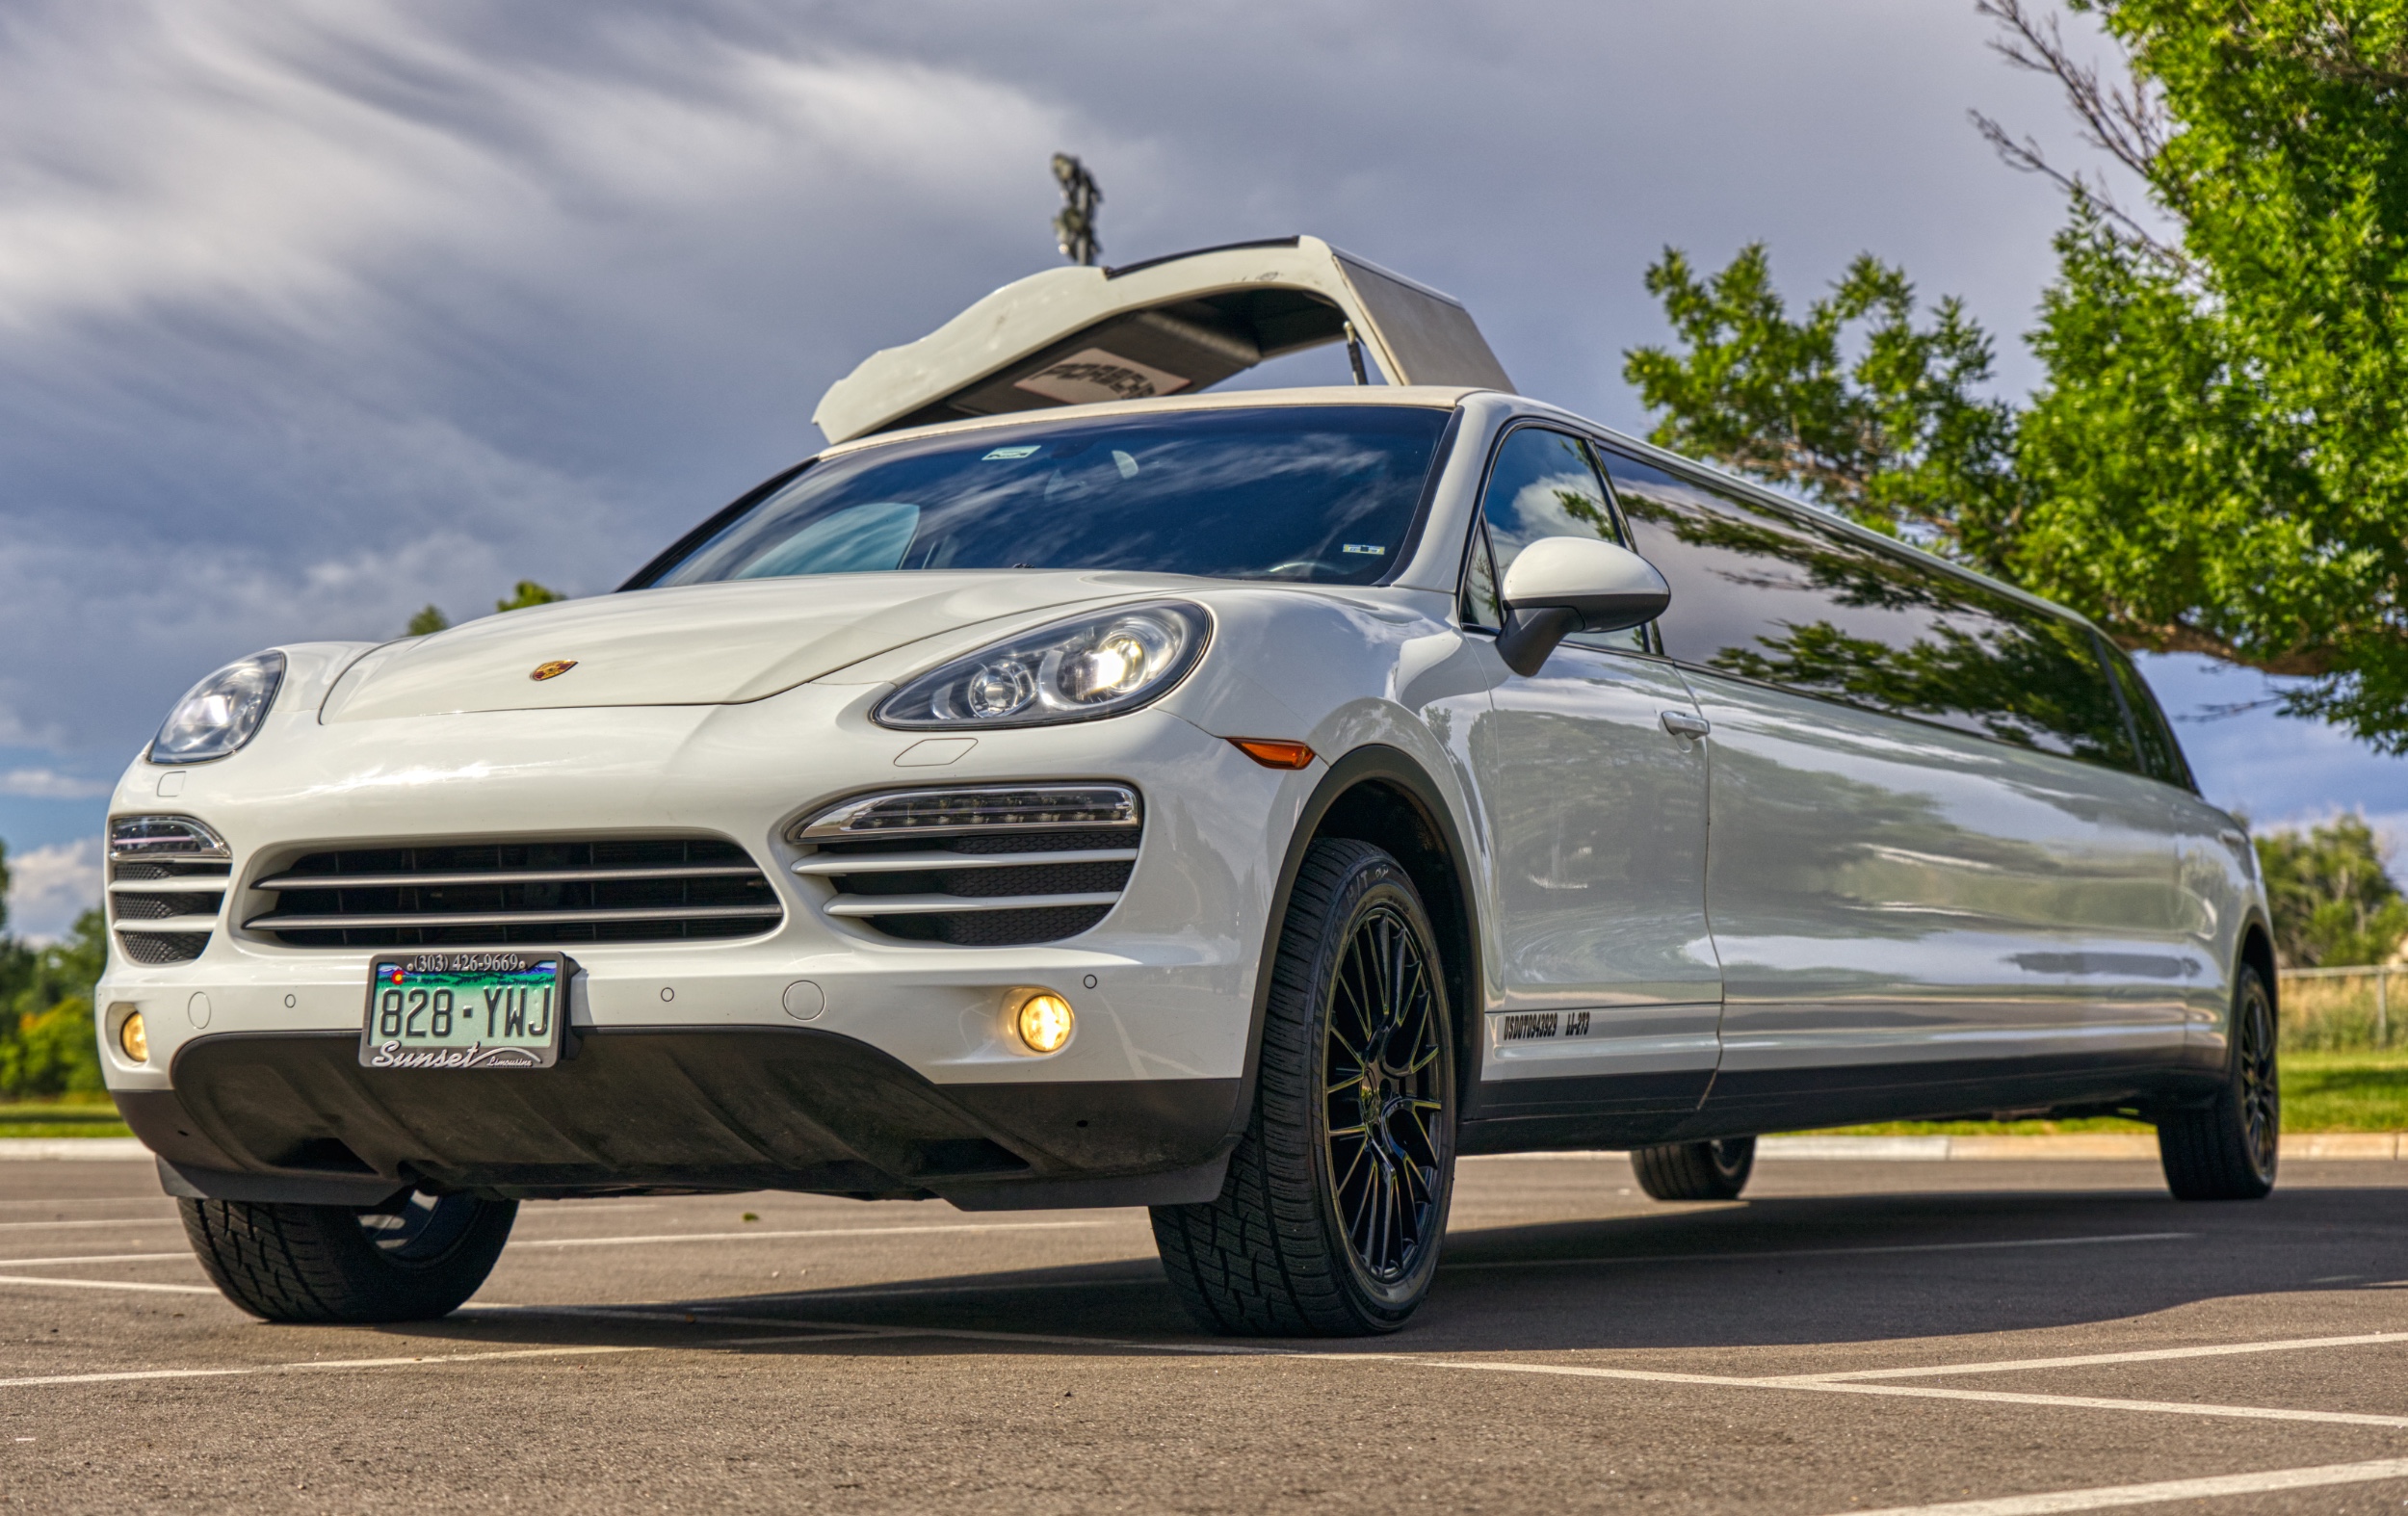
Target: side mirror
[1561,585]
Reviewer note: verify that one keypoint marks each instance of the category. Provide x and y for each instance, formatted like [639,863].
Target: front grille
[977,868]
[164,908]
[604,890]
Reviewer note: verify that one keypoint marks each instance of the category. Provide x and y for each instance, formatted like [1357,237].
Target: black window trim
[1714,481]
[1478,536]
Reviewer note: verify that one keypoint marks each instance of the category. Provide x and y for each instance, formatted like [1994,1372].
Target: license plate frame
[499,1009]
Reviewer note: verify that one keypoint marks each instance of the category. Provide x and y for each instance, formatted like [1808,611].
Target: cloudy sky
[312,313]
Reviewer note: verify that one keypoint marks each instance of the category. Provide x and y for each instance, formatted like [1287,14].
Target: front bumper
[692,1048]
[294,1117]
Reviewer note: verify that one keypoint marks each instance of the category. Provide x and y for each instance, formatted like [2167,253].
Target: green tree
[1899,438]
[426,622]
[2333,902]
[2217,460]
[528,594]
[47,1037]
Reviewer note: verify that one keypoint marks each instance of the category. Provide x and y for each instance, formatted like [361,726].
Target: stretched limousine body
[1073,789]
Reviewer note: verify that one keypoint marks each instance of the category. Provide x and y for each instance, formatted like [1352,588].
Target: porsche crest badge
[553,669]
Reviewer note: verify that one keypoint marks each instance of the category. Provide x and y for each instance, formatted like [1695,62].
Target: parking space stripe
[825,1231]
[105,1284]
[431,1360]
[2088,1360]
[1825,1252]
[95,1258]
[59,1226]
[2109,1497]
[2084,1402]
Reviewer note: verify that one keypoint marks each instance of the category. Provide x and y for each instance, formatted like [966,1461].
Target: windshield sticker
[993,454]
[1368,549]
[1092,375]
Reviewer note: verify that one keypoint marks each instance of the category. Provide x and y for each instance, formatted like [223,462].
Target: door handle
[1680,723]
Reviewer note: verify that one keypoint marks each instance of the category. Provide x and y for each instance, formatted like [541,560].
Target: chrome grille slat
[387,881]
[530,918]
[948,904]
[931,862]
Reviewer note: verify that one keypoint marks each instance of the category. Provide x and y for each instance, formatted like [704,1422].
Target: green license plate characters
[481,1010]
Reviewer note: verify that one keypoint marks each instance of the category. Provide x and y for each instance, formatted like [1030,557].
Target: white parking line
[2084,1402]
[61,1227]
[2087,1360]
[105,1284]
[1825,1252]
[124,1376]
[825,1231]
[2107,1497]
[95,1258]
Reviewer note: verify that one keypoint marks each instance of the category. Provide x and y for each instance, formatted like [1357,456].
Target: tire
[1715,1170]
[411,1262]
[2229,1149]
[1330,1220]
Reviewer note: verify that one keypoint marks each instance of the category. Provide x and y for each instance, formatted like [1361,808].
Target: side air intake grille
[980,868]
[164,908]
[605,890]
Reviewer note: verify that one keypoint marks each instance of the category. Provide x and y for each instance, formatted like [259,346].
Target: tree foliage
[47,1043]
[1899,438]
[2333,902]
[2217,460]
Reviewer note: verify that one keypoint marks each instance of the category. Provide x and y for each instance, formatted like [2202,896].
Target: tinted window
[1324,494]
[1761,594]
[1542,483]
[2160,755]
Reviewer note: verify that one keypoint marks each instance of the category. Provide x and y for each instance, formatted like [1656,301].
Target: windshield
[1323,493]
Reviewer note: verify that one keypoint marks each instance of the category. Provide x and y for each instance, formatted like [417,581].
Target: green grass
[2321,1092]
[70,1116]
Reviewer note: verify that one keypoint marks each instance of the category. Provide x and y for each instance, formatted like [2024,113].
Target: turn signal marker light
[134,1039]
[1272,752]
[1045,1022]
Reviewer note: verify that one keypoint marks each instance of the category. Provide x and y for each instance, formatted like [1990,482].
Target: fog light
[136,1042]
[1045,1022]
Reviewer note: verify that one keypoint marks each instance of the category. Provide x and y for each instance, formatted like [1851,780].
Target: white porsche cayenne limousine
[1073,789]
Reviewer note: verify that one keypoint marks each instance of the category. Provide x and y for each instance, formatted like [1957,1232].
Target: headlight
[222,712]
[1100,664]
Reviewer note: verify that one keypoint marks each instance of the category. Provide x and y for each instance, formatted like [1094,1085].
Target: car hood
[696,645]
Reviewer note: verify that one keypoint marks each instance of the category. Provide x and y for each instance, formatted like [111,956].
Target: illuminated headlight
[1101,663]
[222,712]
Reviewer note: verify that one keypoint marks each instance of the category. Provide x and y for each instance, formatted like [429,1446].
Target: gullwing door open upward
[1171,326]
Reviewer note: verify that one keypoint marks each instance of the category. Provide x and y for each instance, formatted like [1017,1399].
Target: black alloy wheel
[1383,1058]
[1330,1220]
[2230,1148]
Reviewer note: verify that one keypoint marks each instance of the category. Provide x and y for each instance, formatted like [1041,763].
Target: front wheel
[411,1261]
[1330,1220]
[2227,1149]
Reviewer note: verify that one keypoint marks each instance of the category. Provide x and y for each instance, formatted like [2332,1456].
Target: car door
[1606,992]
[1935,881]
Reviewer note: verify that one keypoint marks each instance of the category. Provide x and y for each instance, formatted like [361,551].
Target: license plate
[477,1009]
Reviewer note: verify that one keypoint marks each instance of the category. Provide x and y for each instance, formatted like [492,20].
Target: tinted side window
[1763,595]
[2160,755]
[1545,483]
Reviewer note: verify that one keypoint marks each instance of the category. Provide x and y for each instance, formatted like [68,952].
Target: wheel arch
[1381,795]
[2257,951]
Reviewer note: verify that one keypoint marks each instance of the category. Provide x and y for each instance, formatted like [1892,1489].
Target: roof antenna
[1354,355]
[1074,225]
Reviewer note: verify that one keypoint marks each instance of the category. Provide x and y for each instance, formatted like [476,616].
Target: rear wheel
[1330,1220]
[2228,1149]
[411,1261]
[1715,1170]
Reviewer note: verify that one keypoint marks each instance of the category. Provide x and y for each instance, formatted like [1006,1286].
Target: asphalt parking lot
[1849,1337]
